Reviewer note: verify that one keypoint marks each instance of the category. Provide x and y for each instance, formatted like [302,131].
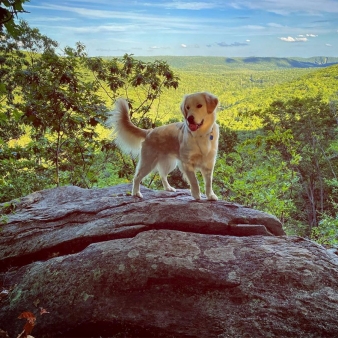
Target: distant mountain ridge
[254,63]
[287,62]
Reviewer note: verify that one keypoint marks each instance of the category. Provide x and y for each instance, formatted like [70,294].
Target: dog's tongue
[193,127]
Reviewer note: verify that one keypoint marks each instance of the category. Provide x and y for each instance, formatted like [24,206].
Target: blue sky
[279,28]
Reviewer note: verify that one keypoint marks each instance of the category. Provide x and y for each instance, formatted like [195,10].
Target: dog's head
[199,110]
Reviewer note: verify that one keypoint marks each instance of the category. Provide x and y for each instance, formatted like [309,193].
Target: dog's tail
[127,136]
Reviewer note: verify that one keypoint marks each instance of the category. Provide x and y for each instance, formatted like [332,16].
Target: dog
[192,144]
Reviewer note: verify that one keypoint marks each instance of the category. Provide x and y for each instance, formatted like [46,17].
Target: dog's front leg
[189,172]
[136,188]
[207,177]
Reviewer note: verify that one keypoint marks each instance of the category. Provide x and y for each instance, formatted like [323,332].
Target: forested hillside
[212,64]
[279,125]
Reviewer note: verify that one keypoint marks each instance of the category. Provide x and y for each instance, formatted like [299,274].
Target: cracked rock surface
[104,263]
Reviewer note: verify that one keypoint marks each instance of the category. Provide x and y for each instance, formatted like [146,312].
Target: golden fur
[192,144]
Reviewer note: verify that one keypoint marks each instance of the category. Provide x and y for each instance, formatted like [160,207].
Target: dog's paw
[196,196]
[171,189]
[138,194]
[212,197]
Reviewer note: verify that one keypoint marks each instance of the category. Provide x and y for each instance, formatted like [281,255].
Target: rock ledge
[104,263]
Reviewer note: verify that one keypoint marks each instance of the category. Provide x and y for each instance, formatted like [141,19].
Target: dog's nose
[191,119]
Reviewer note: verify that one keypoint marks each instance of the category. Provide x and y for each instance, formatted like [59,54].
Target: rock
[104,263]
[3,334]
[66,220]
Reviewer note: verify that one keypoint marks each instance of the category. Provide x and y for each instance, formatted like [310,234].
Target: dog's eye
[199,106]
[187,107]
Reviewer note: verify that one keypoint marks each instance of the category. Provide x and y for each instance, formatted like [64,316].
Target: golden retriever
[191,144]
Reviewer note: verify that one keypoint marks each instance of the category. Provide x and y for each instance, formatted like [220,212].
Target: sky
[272,28]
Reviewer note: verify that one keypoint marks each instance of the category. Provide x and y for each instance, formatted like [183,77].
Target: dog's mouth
[193,126]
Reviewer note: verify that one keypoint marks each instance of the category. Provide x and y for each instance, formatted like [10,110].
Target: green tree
[52,102]
[139,82]
[62,108]
[302,131]
[58,109]
[257,177]
[20,173]
[8,11]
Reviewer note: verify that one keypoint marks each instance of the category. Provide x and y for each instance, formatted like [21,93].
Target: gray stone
[104,263]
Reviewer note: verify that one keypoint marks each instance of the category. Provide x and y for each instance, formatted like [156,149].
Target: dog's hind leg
[165,166]
[145,165]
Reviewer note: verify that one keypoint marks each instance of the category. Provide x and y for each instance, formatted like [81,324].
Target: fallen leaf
[31,319]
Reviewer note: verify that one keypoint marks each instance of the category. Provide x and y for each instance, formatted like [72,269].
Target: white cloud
[288,39]
[275,25]
[98,29]
[299,38]
[328,45]
[187,5]
[234,44]
[183,45]
[291,39]
[254,27]
[285,7]
[153,48]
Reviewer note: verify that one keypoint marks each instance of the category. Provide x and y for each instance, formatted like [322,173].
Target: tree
[52,109]
[20,173]
[55,106]
[8,10]
[302,130]
[139,82]
[62,107]
[257,177]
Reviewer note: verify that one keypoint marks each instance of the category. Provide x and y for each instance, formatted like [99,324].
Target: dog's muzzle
[193,126]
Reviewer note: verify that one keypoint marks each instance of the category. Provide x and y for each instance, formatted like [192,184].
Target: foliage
[302,131]
[215,64]
[139,82]
[59,106]
[8,10]
[19,173]
[52,101]
[326,232]
[257,178]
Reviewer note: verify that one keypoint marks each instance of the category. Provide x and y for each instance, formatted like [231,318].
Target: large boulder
[104,263]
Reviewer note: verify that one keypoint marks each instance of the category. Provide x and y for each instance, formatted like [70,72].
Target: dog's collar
[211,136]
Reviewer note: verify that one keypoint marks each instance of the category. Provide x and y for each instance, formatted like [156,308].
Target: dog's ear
[183,107]
[212,102]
